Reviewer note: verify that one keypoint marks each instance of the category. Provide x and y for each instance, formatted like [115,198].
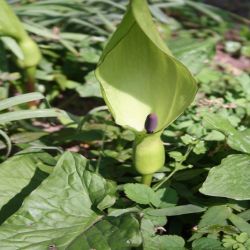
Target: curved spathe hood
[139,75]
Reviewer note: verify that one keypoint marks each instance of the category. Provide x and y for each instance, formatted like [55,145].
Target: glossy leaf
[230,179]
[139,75]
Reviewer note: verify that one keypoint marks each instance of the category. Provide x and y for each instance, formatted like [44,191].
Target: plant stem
[147,179]
[30,79]
[159,184]
[30,75]
[101,150]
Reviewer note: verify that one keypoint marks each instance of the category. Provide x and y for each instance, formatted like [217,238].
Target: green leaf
[139,75]
[16,100]
[157,242]
[119,211]
[199,148]
[214,136]
[245,215]
[90,87]
[240,223]
[156,220]
[25,137]
[7,142]
[217,122]
[168,197]
[238,140]
[13,47]
[19,176]
[193,52]
[230,179]
[29,114]
[178,210]
[216,215]
[207,244]
[110,233]
[141,194]
[63,212]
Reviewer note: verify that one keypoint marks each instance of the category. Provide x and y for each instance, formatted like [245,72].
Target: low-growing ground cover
[68,181]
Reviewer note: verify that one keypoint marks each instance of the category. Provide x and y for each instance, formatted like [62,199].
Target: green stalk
[30,78]
[30,75]
[147,179]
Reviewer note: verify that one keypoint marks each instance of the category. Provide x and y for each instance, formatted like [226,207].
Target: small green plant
[145,87]
[237,241]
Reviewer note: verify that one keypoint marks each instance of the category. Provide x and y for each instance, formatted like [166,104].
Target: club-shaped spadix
[139,76]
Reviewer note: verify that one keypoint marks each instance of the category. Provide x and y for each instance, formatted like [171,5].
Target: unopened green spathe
[139,76]
[11,26]
[148,154]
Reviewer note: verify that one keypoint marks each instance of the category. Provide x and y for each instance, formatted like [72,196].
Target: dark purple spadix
[151,123]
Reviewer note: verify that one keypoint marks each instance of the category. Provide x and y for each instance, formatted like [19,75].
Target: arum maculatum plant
[144,86]
[10,26]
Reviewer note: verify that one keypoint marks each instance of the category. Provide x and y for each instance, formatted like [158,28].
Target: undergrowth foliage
[67,176]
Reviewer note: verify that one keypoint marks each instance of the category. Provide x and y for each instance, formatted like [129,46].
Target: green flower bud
[11,26]
[31,53]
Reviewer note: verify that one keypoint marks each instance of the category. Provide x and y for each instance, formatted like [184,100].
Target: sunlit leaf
[64,213]
[230,179]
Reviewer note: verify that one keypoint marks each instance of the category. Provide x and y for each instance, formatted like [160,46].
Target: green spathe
[139,76]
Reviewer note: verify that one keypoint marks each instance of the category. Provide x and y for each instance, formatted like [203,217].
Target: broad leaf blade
[15,174]
[230,179]
[60,213]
